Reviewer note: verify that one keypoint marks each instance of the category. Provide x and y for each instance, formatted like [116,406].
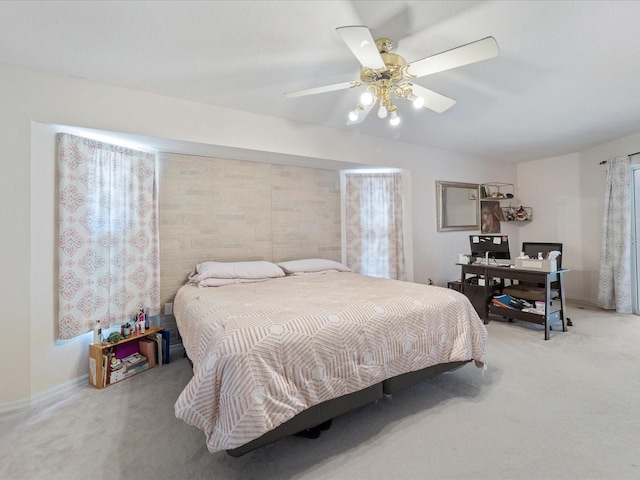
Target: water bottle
[97,332]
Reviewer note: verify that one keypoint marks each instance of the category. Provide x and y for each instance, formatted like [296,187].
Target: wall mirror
[458,206]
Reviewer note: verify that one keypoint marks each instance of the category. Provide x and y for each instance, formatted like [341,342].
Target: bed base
[311,422]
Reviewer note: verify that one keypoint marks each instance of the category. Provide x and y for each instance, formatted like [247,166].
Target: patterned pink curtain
[108,234]
[375,245]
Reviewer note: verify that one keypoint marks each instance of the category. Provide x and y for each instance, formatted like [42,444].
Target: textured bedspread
[263,352]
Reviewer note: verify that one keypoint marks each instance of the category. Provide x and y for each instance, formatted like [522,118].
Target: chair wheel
[569,322]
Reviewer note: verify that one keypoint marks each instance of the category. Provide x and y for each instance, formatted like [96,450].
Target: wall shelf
[519,215]
[496,191]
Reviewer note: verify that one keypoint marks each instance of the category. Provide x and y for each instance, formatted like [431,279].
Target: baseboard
[14,405]
[46,395]
[577,300]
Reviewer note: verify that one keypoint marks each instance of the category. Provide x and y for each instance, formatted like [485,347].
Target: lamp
[367,98]
[395,119]
[418,102]
[355,113]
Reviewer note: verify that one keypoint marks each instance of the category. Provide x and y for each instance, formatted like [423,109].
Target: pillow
[219,282]
[321,272]
[246,270]
[311,265]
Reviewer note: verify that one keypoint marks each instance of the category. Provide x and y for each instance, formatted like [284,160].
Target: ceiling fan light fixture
[387,77]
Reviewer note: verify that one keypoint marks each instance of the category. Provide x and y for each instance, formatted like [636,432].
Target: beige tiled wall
[231,210]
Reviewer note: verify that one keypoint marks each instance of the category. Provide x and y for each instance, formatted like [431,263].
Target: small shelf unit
[100,355]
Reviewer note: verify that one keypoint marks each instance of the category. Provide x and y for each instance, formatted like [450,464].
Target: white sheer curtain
[614,286]
[374,239]
[108,234]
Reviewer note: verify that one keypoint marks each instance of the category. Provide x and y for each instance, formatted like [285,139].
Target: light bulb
[395,119]
[366,98]
[354,114]
[382,112]
[418,102]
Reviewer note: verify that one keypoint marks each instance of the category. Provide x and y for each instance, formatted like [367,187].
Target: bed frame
[312,421]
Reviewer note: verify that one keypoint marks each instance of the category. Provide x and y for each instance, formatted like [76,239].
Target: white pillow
[219,282]
[311,265]
[321,272]
[246,270]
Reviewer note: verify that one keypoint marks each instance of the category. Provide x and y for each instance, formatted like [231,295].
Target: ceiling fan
[387,75]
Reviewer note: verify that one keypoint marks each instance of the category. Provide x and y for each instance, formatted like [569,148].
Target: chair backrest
[533,248]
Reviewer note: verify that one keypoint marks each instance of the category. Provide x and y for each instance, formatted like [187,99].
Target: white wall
[31,360]
[551,188]
[568,206]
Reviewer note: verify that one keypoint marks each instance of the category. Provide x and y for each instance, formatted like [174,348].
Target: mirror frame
[441,206]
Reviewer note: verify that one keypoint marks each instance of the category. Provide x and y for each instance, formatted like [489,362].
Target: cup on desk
[540,307]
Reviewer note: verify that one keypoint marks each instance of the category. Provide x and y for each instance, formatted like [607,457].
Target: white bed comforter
[263,352]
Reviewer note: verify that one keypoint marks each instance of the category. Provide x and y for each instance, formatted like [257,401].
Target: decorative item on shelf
[513,214]
[114,337]
[496,191]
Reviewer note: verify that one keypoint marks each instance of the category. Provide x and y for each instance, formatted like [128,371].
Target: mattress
[264,352]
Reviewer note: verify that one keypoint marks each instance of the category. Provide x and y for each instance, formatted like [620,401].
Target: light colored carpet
[567,408]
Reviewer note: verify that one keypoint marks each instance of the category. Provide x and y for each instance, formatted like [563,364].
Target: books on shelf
[159,345]
[148,347]
[513,303]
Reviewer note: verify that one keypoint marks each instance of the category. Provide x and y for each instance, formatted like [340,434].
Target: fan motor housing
[392,73]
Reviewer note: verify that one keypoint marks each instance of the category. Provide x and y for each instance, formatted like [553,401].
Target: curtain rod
[630,155]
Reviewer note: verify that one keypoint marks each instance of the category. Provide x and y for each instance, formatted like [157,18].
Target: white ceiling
[567,76]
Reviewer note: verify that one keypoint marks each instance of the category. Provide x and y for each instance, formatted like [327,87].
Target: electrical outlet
[168,308]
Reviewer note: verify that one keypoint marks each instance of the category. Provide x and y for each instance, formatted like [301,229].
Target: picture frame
[490,214]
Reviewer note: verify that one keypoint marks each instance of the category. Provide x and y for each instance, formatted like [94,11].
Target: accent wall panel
[305,213]
[232,210]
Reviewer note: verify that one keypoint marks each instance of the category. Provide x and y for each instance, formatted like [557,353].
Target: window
[108,234]
[374,232]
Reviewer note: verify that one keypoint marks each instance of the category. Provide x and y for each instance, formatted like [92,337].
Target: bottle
[97,332]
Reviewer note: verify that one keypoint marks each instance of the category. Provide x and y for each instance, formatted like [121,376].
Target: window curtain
[108,234]
[374,240]
[614,286]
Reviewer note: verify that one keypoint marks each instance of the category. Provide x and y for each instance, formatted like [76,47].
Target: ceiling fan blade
[359,40]
[456,57]
[326,88]
[432,100]
[363,114]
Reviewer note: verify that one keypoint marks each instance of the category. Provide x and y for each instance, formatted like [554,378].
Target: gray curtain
[614,286]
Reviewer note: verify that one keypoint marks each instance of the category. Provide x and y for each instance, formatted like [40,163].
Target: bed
[279,355]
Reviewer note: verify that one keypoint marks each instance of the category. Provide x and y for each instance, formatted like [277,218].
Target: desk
[480,295]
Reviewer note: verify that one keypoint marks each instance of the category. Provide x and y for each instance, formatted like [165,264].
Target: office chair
[535,291]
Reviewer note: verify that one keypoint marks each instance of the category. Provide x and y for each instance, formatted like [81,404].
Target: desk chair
[534,291]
